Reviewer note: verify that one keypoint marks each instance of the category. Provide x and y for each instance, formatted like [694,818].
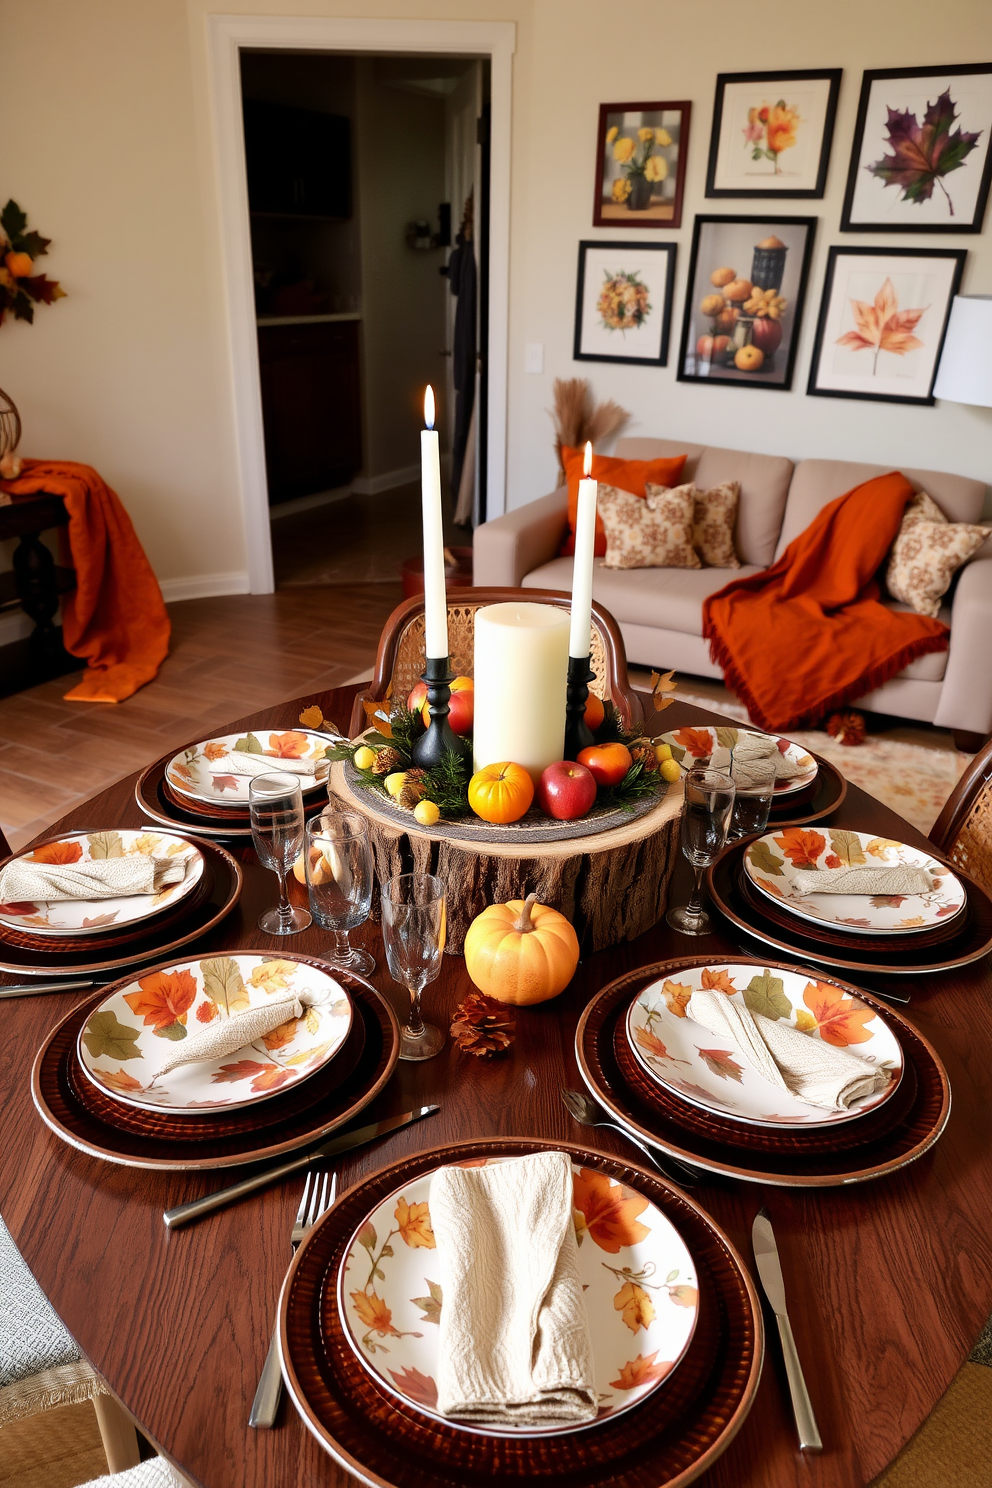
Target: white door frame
[227,35]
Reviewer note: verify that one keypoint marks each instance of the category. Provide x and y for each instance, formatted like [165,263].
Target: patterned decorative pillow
[714,515]
[656,533]
[927,553]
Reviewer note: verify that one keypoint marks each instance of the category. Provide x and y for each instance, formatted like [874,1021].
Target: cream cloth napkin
[752,747]
[108,878]
[514,1342]
[241,763]
[900,878]
[809,1069]
[220,1039]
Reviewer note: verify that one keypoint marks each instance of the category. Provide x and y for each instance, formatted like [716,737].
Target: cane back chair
[963,830]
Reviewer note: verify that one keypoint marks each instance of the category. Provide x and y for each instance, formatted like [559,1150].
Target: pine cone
[416,776]
[386,760]
[644,754]
[849,728]
[483,1026]
[409,795]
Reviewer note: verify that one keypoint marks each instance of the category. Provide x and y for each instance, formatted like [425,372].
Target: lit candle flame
[587,462]
[429,407]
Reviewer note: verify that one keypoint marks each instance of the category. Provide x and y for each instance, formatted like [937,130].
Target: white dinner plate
[684,1057]
[689,744]
[194,772]
[639,1285]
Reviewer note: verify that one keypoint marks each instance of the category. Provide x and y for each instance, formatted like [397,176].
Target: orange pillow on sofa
[626,475]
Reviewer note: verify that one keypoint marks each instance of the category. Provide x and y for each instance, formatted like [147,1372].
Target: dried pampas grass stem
[577,420]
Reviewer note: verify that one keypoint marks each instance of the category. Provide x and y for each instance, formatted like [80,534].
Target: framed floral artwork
[882,322]
[640,164]
[921,160]
[623,303]
[772,132]
[744,301]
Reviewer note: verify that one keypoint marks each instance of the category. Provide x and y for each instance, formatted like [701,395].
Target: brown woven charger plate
[818,799]
[970,941]
[161,804]
[670,1439]
[885,1151]
[222,877]
[238,1137]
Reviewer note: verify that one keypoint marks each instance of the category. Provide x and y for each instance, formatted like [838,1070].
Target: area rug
[913,780]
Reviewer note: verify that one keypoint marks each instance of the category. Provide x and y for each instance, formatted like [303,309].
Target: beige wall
[107,144]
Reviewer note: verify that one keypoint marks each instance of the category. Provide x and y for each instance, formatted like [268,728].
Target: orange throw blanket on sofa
[115,617]
[810,633]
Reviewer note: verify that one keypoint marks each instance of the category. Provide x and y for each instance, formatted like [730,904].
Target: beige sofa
[659,610]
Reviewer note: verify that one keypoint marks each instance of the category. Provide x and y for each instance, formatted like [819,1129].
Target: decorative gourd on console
[521,952]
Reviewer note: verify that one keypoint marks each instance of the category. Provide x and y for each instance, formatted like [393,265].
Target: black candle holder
[440,739]
[578,735]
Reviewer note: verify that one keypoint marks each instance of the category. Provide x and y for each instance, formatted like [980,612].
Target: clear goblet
[755,791]
[709,802]
[275,804]
[413,930]
[339,880]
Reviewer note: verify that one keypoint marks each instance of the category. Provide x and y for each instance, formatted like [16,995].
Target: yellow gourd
[521,952]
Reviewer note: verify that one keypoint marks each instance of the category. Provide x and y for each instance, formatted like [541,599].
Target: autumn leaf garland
[20,288]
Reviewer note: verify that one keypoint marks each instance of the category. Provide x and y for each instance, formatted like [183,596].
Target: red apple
[417,698]
[461,708]
[566,790]
[609,763]
[766,335]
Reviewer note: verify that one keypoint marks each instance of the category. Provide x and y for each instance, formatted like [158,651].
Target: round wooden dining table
[888,1282]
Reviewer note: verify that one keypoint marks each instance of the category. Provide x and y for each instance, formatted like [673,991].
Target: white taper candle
[435,600]
[580,631]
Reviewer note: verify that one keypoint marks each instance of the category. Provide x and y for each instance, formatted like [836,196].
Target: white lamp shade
[965,371]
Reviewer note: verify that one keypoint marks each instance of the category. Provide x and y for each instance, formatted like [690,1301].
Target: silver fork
[586,1112]
[312,1206]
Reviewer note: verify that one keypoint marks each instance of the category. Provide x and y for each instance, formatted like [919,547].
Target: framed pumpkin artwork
[921,160]
[772,133]
[640,164]
[882,322]
[744,301]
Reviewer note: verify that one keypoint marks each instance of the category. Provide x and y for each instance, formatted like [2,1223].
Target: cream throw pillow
[927,553]
[652,533]
[714,515]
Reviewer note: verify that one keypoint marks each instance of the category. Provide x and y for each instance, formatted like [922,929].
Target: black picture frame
[837,253]
[830,75]
[765,224]
[951,225]
[627,252]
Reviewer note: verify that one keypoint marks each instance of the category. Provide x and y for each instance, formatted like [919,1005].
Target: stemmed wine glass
[413,929]
[275,804]
[709,802]
[339,879]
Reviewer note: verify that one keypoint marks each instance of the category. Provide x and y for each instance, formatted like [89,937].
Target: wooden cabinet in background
[310,406]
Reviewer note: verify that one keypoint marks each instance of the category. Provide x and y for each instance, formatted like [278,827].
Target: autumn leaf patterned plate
[142,1023]
[61,917]
[680,1054]
[196,772]
[772,862]
[698,742]
[638,1278]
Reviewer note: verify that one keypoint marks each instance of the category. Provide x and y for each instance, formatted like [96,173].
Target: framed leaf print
[623,302]
[771,133]
[640,164]
[882,322]
[921,159]
[744,302]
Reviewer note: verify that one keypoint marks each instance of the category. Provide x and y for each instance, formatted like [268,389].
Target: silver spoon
[585,1111]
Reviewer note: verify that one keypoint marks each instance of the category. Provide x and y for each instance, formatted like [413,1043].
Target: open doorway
[368,195]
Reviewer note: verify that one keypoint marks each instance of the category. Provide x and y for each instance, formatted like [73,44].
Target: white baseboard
[204,586]
[374,485]
[307,503]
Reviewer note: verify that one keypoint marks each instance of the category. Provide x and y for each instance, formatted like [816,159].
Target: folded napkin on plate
[809,1069]
[220,1039]
[239,762]
[900,878]
[24,881]
[514,1342]
[751,748]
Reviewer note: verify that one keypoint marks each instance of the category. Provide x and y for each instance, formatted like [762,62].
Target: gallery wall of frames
[919,162]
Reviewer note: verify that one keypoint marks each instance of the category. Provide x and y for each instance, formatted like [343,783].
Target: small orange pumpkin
[521,952]
[500,793]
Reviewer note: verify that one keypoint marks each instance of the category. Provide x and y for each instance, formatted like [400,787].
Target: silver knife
[183,1213]
[770,1270]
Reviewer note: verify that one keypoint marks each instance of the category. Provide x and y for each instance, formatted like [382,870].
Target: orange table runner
[810,633]
[115,618]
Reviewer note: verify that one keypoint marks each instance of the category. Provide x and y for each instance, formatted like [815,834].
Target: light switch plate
[534,357]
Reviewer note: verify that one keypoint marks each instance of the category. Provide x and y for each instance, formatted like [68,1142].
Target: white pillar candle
[580,632]
[521,669]
[435,600]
